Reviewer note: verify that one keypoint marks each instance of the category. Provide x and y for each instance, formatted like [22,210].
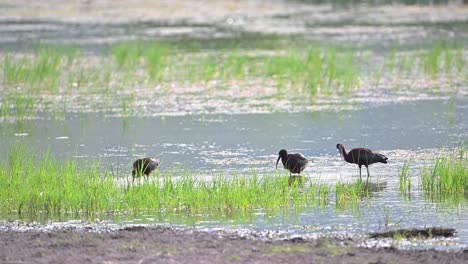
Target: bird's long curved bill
[279,157]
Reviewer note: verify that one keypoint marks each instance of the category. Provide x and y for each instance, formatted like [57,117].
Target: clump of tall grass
[16,105]
[50,71]
[151,56]
[441,58]
[319,70]
[40,184]
[41,70]
[351,194]
[447,176]
[405,179]
[45,185]
[432,60]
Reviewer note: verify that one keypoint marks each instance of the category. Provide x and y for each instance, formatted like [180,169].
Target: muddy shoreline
[168,245]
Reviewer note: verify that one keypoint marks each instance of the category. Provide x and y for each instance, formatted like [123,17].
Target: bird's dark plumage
[144,166]
[295,162]
[361,156]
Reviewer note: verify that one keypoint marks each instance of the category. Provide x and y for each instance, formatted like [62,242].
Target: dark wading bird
[295,162]
[361,156]
[144,166]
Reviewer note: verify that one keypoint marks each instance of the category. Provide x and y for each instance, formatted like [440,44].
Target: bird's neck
[345,155]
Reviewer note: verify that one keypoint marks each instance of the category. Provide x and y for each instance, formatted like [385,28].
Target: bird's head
[340,148]
[282,153]
[156,162]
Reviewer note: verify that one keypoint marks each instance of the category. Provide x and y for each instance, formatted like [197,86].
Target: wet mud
[416,232]
[167,245]
[99,24]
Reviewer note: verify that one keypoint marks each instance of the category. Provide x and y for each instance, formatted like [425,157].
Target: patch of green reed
[447,176]
[405,179]
[431,61]
[351,194]
[286,69]
[323,194]
[439,58]
[41,70]
[459,61]
[232,65]
[44,185]
[207,70]
[127,102]
[443,57]
[236,65]
[317,69]
[326,70]
[312,71]
[16,105]
[127,55]
[150,56]
[40,184]
[221,194]
[407,63]
[391,61]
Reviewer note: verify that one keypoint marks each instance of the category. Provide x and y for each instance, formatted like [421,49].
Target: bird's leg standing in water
[360,178]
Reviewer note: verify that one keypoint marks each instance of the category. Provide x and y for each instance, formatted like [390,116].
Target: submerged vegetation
[141,69]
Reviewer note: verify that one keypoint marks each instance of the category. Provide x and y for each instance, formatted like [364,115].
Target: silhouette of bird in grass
[295,162]
[144,166]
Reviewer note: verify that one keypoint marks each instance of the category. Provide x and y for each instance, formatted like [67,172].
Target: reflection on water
[241,143]
[245,142]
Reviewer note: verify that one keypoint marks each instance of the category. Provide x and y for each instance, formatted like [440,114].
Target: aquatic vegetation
[391,60]
[324,70]
[431,61]
[151,56]
[153,67]
[43,185]
[441,58]
[447,176]
[39,71]
[405,179]
[16,105]
[351,194]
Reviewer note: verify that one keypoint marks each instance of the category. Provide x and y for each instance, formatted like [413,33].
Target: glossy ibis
[361,156]
[295,162]
[144,166]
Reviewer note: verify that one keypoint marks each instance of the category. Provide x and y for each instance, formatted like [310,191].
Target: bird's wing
[300,156]
[301,160]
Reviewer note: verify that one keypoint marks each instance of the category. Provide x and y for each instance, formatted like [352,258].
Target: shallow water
[240,143]
[240,129]
[96,24]
[237,142]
